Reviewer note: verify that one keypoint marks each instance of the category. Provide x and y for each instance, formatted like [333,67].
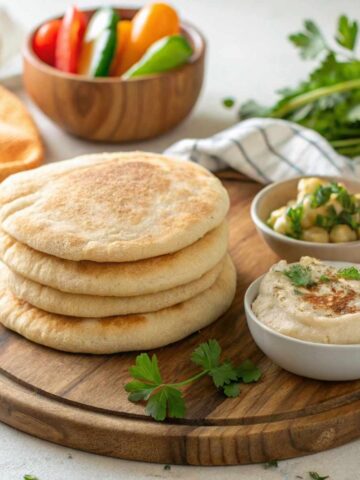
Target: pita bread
[20,144]
[112,207]
[117,279]
[75,305]
[120,333]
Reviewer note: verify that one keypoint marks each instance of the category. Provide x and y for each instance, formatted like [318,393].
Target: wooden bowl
[111,109]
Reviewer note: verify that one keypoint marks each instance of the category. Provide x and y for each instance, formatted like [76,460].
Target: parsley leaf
[310,42]
[349,273]
[248,372]
[165,399]
[232,390]
[271,464]
[295,215]
[324,279]
[139,391]
[30,477]
[146,369]
[228,102]
[316,476]
[329,220]
[223,374]
[299,276]
[165,402]
[320,196]
[347,32]
[207,355]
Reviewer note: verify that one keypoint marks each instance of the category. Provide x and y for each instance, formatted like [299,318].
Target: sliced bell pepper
[165,54]
[69,40]
[123,31]
[99,44]
[152,22]
[44,42]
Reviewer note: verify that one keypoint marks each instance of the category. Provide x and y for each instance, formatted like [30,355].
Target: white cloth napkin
[267,150]
[11,38]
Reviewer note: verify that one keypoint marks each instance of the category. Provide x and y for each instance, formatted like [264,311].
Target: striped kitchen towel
[267,150]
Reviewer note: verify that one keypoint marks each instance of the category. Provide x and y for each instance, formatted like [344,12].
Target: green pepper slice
[165,54]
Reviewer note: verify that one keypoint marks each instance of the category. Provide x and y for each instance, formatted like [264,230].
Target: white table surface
[248,56]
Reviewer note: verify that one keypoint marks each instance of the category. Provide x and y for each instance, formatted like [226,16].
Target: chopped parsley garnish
[324,279]
[271,464]
[316,476]
[295,215]
[299,276]
[327,221]
[30,477]
[323,193]
[228,102]
[349,273]
[166,400]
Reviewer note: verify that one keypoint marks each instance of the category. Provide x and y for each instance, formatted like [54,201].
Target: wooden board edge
[174,444]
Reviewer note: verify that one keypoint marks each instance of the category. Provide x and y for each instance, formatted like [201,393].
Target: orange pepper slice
[152,22]
[123,37]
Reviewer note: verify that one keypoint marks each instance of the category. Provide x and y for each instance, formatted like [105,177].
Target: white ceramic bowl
[319,361]
[278,194]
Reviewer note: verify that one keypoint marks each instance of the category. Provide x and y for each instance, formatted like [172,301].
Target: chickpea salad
[323,212]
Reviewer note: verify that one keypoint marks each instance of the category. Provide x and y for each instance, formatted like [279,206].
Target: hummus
[312,301]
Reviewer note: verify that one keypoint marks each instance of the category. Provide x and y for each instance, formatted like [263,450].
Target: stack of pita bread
[113,252]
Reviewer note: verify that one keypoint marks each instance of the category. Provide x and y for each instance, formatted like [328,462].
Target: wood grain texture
[79,400]
[114,110]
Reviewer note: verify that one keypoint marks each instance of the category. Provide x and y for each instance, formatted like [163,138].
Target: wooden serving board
[79,400]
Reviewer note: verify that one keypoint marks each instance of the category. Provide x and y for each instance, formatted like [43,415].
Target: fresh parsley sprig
[165,399]
[328,100]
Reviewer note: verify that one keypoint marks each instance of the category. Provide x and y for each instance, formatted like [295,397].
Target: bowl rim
[253,290]
[259,223]
[193,32]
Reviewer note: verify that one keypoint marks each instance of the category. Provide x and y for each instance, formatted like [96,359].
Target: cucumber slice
[103,53]
[102,19]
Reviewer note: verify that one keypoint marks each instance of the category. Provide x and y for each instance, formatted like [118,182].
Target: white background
[248,56]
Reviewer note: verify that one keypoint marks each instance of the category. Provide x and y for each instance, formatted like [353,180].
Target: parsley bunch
[329,100]
[166,400]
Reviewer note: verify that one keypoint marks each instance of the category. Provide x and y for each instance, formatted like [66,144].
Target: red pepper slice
[45,41]
[69,40]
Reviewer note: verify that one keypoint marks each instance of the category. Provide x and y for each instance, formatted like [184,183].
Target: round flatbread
[112,207]
[93,306]
[120,333]
[21,147]
[117,279]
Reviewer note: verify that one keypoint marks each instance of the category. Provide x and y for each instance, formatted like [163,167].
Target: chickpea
[316,234]
[282,225]
[309,185]
[342,233]
[310,214]
[275,215]
[357,199]
[334,203]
